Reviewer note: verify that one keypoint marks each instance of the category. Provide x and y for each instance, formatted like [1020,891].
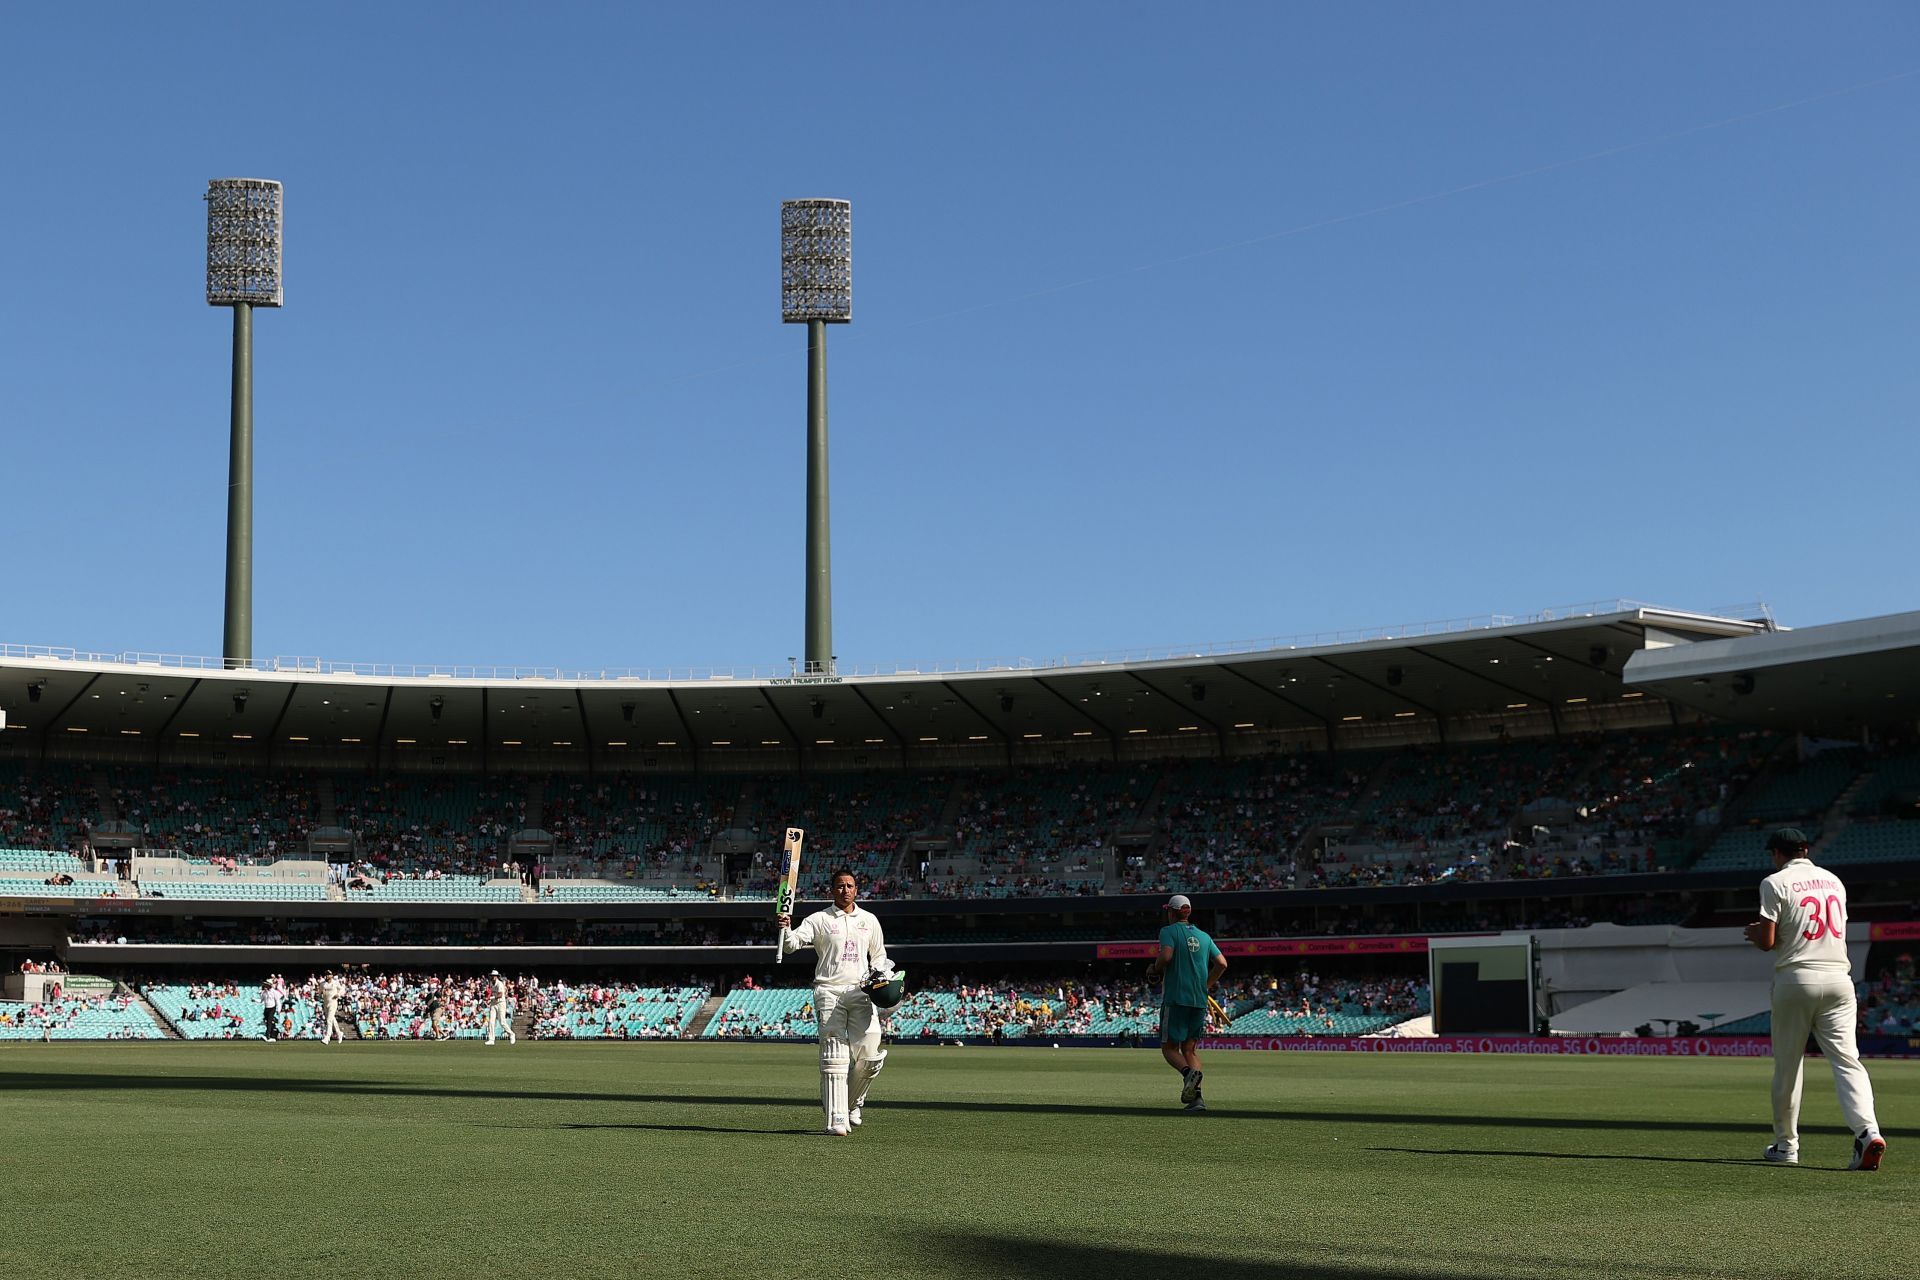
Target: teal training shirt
[1193,952]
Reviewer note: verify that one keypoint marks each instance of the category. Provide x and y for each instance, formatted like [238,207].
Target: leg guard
[833,1081]
[864,1070]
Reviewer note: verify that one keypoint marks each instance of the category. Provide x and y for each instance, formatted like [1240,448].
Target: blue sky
[1158,335]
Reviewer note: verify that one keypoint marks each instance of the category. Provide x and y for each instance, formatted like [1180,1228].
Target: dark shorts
[1180,1023]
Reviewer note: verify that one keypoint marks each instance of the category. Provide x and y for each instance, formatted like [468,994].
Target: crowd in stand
[57,1012]
[1890,1004]
[606,1010]
[1561,808]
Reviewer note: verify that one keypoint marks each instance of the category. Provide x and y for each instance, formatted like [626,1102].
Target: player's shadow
[23,1081]
[993,1257]
[1566,1155]
[669,1128]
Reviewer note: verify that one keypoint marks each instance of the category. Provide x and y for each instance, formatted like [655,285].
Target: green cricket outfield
[695,1160]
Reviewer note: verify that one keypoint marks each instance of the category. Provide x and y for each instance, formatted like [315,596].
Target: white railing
[300,665]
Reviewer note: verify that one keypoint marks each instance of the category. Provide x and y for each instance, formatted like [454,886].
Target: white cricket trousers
[849,1036]
[1820,1001]
[333,1025]
[499,1020]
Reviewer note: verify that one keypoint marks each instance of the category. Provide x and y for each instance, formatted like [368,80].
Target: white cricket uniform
[1812,992]
[331,991]
[497,1015]
[846,945]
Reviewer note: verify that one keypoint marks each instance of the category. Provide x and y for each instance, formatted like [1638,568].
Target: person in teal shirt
[1192,963]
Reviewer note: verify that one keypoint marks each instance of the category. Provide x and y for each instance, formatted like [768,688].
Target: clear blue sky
[1156,339]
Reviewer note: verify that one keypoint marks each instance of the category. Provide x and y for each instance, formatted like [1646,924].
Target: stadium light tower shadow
[816,289]
[244,220]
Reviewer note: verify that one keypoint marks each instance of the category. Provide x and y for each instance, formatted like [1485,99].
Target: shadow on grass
[69,1081]
[1583,1155]
[670,1128]
[992,1257]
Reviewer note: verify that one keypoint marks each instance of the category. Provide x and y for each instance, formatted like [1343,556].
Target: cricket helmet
[886,990]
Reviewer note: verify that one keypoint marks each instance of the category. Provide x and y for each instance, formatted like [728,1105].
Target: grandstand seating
[616,1011]
[228,1011]
[1890,778]
[440,889]
[222,888]
[232,813]
[860,821]
[646,821]
[76,1018]
[1803,790]
[457,822]
[1046,821]
[600,891]
[48,806]
[777,1013]
[1743,848]
[1615,802]
[1891,840]
[16,886]
[39,862]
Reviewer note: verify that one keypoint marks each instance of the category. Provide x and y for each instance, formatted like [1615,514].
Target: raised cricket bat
[787,886]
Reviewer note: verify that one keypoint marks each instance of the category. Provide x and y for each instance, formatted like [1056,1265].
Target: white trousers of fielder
[849,1045]
[333,1026]
[1820,1001]
[498,1017]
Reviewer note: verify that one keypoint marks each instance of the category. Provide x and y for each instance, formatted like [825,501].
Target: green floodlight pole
[816,288]
[245,217]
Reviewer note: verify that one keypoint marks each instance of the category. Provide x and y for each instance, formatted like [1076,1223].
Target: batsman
[852,981]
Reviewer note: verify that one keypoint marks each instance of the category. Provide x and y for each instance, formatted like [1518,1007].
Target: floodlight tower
[816,288]
[244,219]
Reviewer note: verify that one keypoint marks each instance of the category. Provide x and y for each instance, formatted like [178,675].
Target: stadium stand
[616,1011]
[456,823]
[448,888]
[77,1018]
[229,1010]
[623,825]
[48,807]
[778,1013]
[214,812]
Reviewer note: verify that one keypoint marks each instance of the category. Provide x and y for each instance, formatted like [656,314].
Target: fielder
[1803,921]
[332,988]
[498,1016]
[851,954]
[1192,963]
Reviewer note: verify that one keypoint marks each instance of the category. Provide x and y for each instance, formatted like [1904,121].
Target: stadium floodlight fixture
[245,217]
[244,225]
[816,289]
[816,261]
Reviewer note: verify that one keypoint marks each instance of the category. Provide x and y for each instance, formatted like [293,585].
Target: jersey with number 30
[1808,906]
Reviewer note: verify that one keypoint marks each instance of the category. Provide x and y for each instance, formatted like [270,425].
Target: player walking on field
[849,950]
[332,988]
[1192,963]
[499,1017]
[1803,922]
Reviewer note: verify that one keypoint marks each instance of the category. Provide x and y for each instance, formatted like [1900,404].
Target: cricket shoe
[1190,1091]
[853,1117]
[1777,1154]
[1195,1107]
[839,1128]
[1867,1150]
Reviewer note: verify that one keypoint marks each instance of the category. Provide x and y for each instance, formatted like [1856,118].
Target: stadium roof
[1833,680]
[1547,665]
